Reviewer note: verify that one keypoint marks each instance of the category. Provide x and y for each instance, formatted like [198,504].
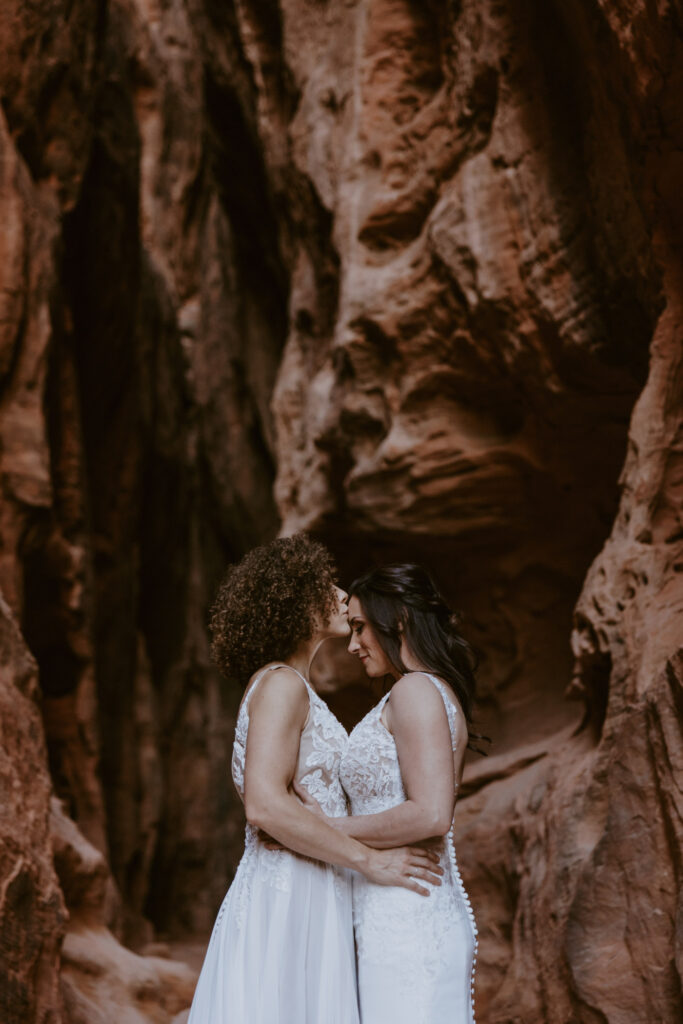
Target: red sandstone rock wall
[405,274]
[32,912]
[509,238]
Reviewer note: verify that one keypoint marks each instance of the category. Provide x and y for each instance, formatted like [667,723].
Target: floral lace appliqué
[415,939]
[322,745]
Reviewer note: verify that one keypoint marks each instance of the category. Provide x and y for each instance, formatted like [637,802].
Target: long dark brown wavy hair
[402,602]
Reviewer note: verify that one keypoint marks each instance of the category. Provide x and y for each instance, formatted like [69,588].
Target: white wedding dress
[416,954]
[282,950]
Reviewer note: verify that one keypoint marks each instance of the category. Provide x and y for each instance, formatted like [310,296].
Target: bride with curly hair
[282,947]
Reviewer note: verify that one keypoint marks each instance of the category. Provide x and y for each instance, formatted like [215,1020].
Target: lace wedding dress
[416,954]
[282,951]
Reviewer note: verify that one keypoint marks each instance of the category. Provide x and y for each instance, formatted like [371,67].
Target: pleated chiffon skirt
[282,948]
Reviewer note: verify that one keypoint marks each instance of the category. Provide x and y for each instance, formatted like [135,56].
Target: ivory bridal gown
[282,949]
[416,954]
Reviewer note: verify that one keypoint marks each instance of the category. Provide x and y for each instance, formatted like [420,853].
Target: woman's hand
[403,866]
[269,842]
[309,802]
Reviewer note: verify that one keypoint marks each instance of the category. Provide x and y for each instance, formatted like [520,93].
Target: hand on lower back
[309,802]
[405,866]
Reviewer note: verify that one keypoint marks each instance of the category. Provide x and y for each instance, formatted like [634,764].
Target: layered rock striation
[32,911]
[404,275]
[509,283]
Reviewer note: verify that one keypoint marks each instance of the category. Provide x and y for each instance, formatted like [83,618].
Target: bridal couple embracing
[347,906]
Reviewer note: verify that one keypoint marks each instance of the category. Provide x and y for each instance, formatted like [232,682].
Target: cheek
[380,657]
[375,651]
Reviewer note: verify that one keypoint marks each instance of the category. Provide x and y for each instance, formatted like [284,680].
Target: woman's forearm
[284,818]
[405,823]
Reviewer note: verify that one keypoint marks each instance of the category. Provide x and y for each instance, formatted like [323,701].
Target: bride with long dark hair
[401,772]
[282,949]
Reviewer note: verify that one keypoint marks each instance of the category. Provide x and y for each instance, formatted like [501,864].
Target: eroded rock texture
[32,913]
[509,235]
[407,275]
[100,979]
[497,296]
[144,316]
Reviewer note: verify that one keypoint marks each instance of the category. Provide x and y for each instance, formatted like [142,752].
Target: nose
[354,646]
[342,596]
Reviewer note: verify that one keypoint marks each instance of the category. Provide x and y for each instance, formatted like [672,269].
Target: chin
[371,672]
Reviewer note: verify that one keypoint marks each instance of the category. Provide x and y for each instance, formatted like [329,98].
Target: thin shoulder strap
[270,668]
[451,710]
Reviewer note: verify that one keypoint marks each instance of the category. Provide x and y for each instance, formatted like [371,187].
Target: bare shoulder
[281,692]
[414,683]
[416,696]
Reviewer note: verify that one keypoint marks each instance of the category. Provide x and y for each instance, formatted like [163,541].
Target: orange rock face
[509,242]
[406,275]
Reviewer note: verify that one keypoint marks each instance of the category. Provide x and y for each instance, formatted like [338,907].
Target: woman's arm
[417,719]
[277,714]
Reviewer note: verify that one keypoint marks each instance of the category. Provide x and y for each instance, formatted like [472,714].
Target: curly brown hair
[270,603]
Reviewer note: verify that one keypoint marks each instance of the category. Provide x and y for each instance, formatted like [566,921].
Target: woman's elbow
[440,821]
[256,812]
[443,825]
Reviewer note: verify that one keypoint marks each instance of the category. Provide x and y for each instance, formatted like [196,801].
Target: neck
[411,663]
[303,656]
[379,685]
